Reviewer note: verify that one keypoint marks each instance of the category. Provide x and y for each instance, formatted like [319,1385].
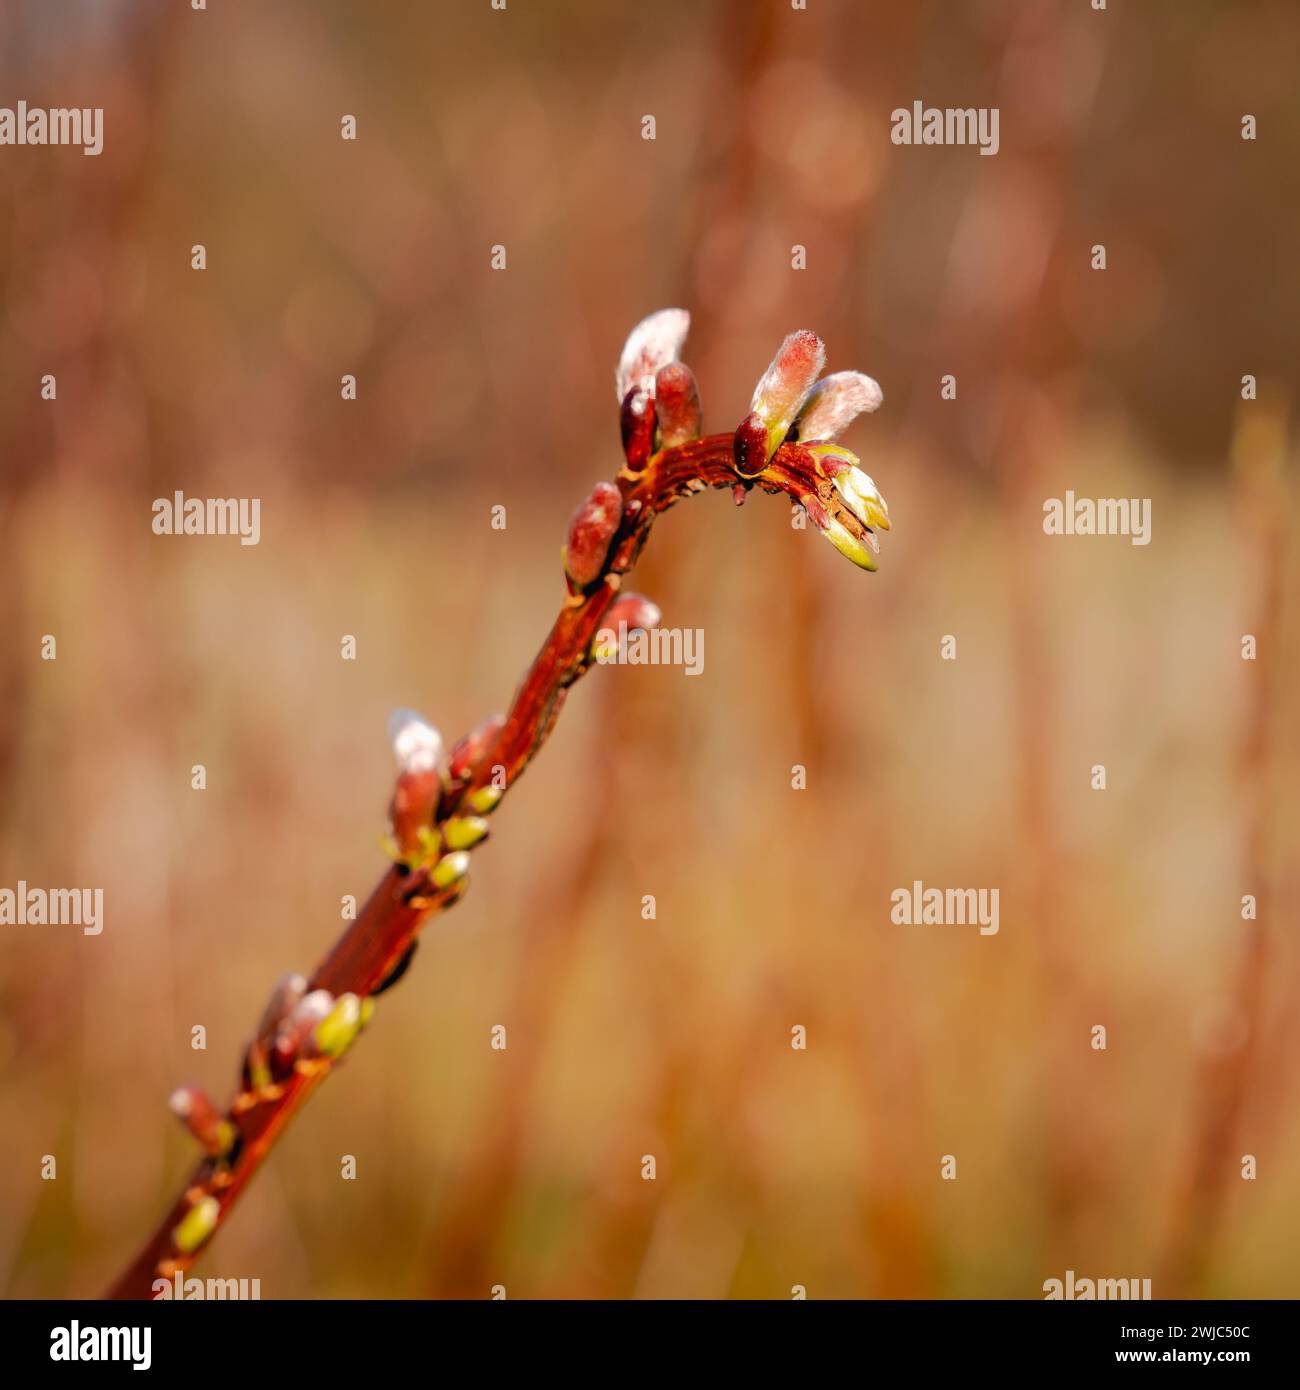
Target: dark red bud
[677,403]
[751,447]
[466,754]
[592,528]
[296,1031]
[288,991]
[415,798]
[634,610]
[204,1121]
[637,420]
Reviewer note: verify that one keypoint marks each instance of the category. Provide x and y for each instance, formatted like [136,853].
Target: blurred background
[478,387]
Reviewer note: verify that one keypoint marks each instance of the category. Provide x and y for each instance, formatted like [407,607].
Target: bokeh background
[479,387]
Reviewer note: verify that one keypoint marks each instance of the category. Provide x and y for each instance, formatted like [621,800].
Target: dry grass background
[775,1167]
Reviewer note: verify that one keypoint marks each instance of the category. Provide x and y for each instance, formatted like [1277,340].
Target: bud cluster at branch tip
[863,510]
[792,408]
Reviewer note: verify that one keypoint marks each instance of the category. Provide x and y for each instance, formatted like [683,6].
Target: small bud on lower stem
[285,997]
[215,1133]
[470,750]
[297,1029]
[484,799]
[197,1225]
[337,1031]
[628,613]
[591,529]
[450,869]
[633,611]
[463,832]
[257,1066]
[415,798]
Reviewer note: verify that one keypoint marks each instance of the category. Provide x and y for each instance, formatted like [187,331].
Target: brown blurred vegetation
[477,387]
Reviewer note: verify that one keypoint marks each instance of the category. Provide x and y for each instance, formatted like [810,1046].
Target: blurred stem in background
[1236,1041]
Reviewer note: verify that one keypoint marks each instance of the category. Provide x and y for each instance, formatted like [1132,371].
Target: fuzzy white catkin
[417,745]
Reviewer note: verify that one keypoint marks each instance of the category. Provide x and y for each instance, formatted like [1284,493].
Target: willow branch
[295,1049]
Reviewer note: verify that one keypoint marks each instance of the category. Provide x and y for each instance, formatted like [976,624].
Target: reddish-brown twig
[295,1049]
